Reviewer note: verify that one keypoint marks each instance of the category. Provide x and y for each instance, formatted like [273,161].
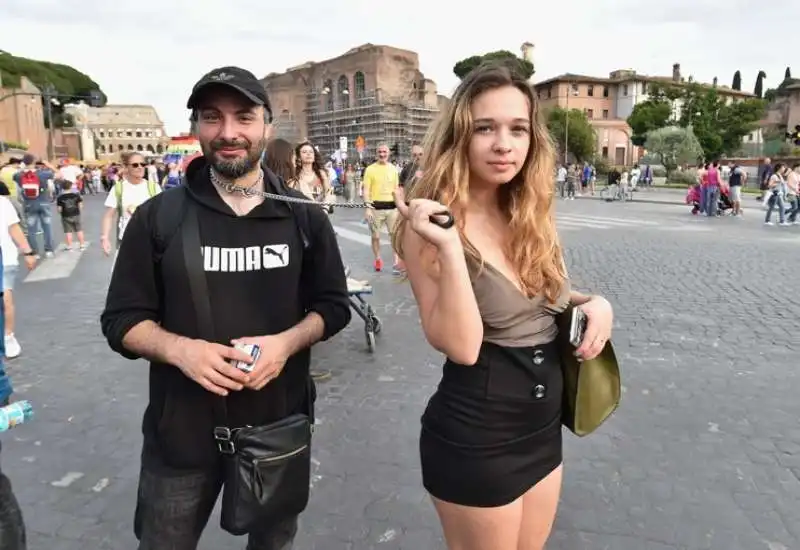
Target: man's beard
[234,168]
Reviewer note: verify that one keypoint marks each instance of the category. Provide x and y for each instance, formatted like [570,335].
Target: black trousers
[12,528]
[173,508]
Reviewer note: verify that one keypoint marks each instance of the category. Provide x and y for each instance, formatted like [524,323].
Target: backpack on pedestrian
[152,190]
[31,185]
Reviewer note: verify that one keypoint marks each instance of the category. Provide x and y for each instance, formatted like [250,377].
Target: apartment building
[608,102]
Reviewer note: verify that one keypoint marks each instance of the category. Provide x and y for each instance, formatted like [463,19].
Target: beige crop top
[509,317]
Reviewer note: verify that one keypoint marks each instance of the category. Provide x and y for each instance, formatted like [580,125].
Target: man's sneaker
[13,349]
[67,247]
[83,246]
[378,265]
[49,254]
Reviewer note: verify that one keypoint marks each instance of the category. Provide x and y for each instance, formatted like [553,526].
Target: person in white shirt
[72,173]
[152,172]
[12,241]
[636,175]
[123,199]
[561,180]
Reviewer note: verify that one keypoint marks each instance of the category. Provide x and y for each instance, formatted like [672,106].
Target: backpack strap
[118,193]
[169,214]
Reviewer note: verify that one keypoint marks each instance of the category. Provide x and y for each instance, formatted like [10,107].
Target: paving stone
[701,455]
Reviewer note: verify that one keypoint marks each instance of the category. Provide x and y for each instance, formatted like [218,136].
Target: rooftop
[621,76]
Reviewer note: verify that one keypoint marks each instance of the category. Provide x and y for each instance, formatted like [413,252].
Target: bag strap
[198,288]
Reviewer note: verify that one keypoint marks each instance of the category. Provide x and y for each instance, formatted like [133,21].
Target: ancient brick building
[111,130]
[373,92]
[22,117]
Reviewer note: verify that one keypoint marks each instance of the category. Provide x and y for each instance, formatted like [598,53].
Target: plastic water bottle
[14,414]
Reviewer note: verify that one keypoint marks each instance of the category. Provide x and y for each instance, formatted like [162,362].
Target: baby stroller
[724,205]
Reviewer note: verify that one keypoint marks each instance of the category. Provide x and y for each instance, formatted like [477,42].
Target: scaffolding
[371,114]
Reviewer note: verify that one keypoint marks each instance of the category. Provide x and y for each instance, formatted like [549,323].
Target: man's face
[383,153]
[416,154]
[135,167]
[232,132]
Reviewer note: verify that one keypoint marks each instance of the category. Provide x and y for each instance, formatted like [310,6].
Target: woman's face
[307,154]
[501,135]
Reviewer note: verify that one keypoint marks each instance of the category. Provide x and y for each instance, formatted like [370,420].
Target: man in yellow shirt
[381,180]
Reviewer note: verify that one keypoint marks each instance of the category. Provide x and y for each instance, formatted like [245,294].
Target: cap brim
[199,90]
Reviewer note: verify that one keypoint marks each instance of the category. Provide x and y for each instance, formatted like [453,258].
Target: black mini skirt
[493,430]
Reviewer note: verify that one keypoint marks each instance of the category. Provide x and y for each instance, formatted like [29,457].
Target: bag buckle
[223,437]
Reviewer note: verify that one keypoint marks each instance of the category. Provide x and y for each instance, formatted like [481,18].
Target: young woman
[488,290]
[776,191]
[312,180]
[280,158]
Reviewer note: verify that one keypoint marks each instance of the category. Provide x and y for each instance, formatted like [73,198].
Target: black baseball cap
[239,79]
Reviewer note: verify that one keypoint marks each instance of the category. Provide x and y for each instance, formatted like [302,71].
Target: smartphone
[251,349]
[577,326]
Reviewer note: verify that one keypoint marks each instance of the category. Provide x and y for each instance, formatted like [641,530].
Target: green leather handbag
[592,388]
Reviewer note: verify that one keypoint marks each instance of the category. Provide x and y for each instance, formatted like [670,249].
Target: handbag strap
[198,288]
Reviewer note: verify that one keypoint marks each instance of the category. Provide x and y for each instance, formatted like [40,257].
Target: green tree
[719,127]
[582,137]
[737,81]
[653,113]
[759,89]
[675,146]
[69,84]
[647,116]
[516,63]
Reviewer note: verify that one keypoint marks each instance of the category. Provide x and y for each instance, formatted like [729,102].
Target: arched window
[159,148]
[360,85]
[130,147]
[139,147]
[102,149]
[150,148]
[343,92]
[120,147]
[328,93]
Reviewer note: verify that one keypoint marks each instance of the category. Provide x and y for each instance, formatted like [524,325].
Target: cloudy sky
[152,51]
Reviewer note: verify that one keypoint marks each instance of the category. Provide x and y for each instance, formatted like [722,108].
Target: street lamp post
[570,92]
[48,94]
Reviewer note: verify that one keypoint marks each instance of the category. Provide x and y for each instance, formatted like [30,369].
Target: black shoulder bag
[266,468]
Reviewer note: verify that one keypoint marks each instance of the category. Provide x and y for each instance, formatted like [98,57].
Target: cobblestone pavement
[704,452]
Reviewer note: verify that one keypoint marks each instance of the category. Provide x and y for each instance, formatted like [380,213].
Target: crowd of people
[226,282]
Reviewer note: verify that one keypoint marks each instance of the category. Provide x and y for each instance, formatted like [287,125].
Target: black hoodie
[256,268]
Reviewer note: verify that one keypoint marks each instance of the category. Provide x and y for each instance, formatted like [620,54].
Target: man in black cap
[274,278]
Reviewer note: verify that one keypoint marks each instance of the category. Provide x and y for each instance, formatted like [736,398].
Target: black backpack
[171,210]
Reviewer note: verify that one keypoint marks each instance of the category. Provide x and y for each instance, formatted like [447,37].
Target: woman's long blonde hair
[533,250]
